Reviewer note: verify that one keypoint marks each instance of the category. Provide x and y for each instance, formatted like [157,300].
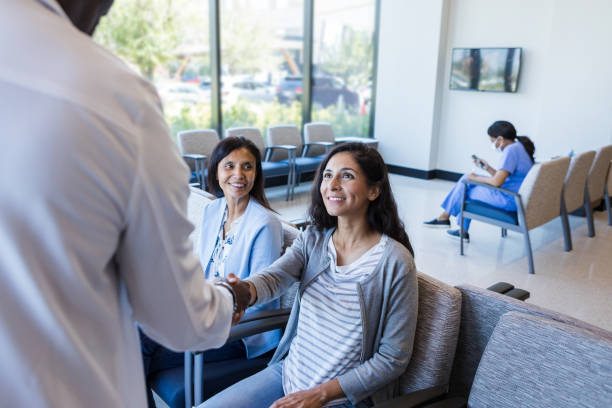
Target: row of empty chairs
[283,155]
[551,189]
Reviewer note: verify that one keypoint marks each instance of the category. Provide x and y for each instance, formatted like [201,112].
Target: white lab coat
[93,232]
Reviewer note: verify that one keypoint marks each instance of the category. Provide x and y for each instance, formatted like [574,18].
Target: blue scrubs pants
[452,202]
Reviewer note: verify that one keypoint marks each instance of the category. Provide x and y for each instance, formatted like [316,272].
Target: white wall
[408,53]
[564,99]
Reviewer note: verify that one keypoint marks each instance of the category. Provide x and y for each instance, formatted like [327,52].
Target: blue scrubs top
[517,162]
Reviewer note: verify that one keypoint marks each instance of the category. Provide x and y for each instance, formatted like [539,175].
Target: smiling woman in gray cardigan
[351,329]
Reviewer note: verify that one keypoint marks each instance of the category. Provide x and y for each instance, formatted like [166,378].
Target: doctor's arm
[164,281]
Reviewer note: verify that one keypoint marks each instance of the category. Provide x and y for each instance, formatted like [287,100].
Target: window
[167,42]
[343,61]
[261,62]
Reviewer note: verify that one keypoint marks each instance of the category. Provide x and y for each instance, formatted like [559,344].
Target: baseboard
[424,174]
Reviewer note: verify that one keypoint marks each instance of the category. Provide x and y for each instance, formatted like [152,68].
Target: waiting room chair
[482,311]
[322,133]
[597,188]
[196,146]
[270,168]
[538,202]
[290,135]
[574,189]
[319,139]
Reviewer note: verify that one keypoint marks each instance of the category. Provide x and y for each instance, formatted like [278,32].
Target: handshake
[244,294]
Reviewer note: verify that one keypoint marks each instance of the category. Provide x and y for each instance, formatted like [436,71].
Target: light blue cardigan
[258,244]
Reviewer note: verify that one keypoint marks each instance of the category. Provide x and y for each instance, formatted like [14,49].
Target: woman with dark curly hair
[351,329]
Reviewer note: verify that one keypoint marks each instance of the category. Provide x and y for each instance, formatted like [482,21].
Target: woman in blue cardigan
[240,234]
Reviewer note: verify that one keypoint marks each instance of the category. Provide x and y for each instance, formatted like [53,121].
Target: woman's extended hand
[302,399]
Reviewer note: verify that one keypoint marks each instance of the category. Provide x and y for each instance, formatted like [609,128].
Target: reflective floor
[578,283]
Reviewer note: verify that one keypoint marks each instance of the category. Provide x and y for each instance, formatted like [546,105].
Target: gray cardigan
[388,308]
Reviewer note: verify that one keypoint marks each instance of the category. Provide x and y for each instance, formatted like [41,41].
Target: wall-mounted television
[485,69]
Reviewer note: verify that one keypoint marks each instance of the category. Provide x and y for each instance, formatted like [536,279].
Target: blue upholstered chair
[290,135]
[270,168]
[538,201]
[196,146]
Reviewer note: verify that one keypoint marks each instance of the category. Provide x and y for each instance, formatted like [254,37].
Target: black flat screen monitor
[485,69]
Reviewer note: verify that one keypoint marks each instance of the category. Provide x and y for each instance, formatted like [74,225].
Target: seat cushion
[532,361]
[486,210]
[170,387]
[271,169]
[194,176]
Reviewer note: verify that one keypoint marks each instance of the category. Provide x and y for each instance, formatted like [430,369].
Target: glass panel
[261,62]
[343,56]
[167,42]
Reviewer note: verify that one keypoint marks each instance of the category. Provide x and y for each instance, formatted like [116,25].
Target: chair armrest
[327,145]
[195,156]
[289,148]
[519,294]
[415,399]
[258,322]
[503,190]
[501,287]
[507,289]
[263,314]
[257,326]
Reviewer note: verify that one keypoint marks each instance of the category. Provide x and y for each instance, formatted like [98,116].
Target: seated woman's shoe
[436,223]
[455,234]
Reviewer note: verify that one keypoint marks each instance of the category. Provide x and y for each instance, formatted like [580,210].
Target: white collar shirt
[93,232]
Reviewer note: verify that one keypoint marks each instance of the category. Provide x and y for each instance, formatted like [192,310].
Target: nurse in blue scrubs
[516,160]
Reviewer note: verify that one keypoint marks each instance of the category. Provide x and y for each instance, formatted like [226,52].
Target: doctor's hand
[243,296]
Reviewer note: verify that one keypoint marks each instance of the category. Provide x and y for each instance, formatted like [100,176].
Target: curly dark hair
[221,150]
[382,213]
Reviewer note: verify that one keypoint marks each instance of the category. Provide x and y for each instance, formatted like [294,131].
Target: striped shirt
[328,342]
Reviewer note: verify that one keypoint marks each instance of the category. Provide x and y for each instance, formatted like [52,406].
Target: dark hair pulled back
[382,213]
[224,148]
[506,130]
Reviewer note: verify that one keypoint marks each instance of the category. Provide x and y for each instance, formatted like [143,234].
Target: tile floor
[578,283]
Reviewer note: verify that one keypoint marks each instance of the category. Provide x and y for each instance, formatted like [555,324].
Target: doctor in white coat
[93,232]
